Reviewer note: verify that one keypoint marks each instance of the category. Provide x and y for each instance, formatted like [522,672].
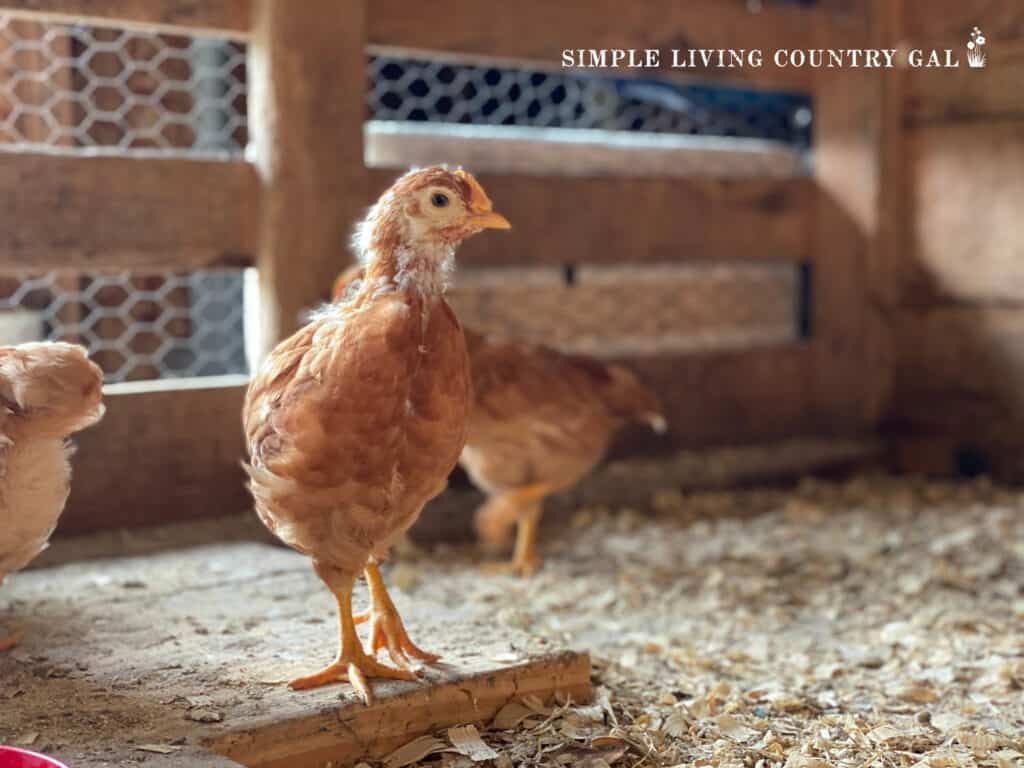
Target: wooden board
[226,18]
[165,451]
[960,370]
[965,93]
[638,310]
[958,403]
[615,220]
[539,31]
[85,212]
[965,186]
[734,397]
[931,22]
[137,649]
[575,152]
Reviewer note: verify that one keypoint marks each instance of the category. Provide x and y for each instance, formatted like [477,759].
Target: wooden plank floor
[188,650]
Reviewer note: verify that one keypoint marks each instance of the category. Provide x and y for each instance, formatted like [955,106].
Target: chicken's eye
[439,199]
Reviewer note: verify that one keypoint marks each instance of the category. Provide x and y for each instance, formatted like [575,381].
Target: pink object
[19,758]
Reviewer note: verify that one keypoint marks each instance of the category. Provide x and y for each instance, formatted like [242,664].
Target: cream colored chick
[47,392]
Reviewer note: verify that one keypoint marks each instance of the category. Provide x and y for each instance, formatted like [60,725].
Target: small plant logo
[975,49]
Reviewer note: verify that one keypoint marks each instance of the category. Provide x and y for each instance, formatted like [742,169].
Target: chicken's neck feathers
[396,258]
[423,271]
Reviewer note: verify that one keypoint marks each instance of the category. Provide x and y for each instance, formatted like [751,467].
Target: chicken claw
[386,627]
[352,664]
[354,670]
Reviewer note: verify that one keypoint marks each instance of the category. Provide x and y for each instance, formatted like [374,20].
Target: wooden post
[851,372]
[307,83]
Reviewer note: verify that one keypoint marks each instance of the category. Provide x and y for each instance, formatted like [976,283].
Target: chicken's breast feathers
[342,428]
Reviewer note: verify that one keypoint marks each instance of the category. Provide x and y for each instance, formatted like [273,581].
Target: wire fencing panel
[135,325]
[79,87]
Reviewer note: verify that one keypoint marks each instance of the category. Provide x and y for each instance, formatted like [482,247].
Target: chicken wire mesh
[136,326]
[436,90]
[76,88]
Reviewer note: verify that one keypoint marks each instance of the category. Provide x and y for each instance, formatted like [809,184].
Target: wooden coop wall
[958,276]
[170,450]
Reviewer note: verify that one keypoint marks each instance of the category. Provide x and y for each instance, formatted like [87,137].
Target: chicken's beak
[489,220]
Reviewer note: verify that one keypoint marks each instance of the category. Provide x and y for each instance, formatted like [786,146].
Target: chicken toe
[386,627]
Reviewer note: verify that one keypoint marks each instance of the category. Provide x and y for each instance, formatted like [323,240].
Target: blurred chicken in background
[48,391]
[541,421]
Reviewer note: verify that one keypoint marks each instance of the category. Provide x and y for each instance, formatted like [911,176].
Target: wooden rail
[86,212]
[575,152]
[227,18]
[634,309]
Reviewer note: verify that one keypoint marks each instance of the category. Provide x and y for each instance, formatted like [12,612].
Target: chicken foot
[352,663]
[386,627]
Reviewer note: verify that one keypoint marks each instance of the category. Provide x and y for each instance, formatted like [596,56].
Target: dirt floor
[876,622]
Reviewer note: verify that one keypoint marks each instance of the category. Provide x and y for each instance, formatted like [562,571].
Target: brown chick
[48,391]
[355,422]
[541,421]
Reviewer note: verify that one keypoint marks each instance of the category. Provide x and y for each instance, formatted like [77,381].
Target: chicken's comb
[478,199]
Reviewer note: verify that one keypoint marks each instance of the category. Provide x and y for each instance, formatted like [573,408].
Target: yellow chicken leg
[386,628]
[352,663]
[523,507]
[525,560]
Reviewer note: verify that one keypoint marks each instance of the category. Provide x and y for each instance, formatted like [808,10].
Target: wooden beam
[847,388]
[969,94]
[958,404]
[165,451]
[965,93]
[225,18]
[81,212]
[615,220]
[671,309]
[965,185]
[538,31]
[933,22]
[960,372]
[307,80]
[576,152]
[736,397]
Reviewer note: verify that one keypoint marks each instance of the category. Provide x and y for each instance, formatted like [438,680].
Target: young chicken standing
[541,421]
[47,392]
[354,423]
